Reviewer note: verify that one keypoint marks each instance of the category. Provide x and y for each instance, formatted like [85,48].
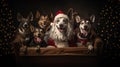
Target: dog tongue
[37,40]
[61,30]
[85,32]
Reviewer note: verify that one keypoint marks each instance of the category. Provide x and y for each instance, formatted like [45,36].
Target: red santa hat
[60,14]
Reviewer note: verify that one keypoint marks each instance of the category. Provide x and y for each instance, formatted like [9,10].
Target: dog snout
[85,26]
[39,35]
[25,25]
[61,25]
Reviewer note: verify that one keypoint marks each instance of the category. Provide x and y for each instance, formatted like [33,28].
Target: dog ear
[77,18]
[37,16]
[30,16]
[32,28]
[46,16]
[51,16]
[92,18]
[19,17]
[70,13]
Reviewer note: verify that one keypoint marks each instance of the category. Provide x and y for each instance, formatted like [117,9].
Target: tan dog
[44,21]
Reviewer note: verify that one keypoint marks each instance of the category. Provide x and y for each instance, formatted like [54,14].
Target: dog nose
[39,35]
[61,25]
[25,25]
[85,27]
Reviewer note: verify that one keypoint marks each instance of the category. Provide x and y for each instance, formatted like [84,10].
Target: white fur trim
[80,36]
[60,15]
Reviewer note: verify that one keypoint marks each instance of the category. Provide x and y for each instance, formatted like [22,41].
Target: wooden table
[57,57]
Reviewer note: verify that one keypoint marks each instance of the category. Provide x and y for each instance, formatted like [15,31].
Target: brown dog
[44,20]
[38,37]
[23,34]
[74,17]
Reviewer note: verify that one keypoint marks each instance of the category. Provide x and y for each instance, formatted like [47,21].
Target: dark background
[106,11]
[84,7]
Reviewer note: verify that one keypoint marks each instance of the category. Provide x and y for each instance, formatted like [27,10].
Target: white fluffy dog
[60,31]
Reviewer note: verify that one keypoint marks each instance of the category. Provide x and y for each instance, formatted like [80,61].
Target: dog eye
[42,31]
[87,21]
[65,20]
[57,21]
[35,31]
[25,25]
[82,23]
[41,19]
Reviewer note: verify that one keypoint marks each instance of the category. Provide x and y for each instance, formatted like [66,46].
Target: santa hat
[60,14]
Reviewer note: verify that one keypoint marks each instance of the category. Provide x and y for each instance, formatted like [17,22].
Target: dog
[86,35]
[23,34]
[38,37]
[74,17]
[44,20]
[60,31]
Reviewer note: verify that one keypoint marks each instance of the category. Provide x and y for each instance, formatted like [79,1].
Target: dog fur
[44,20]
[23,34]
[74,17]
[60,31]
[38,37]
[86,35]
[24,30]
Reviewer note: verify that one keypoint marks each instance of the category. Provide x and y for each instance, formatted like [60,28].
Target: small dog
[86,35]
[44,20]
[38,37]
[60,31]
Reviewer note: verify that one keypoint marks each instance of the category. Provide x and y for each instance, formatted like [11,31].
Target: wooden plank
[34,51]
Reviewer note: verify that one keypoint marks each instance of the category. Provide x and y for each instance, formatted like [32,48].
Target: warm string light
[109,28]
[6,27]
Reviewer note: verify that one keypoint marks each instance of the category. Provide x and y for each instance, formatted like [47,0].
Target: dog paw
[90,47]
[23,49]
[50,47]
[79,44]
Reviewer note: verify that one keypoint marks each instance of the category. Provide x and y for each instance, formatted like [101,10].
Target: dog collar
[80,36]
[83,41]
